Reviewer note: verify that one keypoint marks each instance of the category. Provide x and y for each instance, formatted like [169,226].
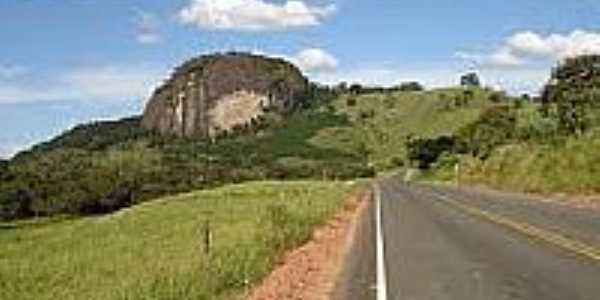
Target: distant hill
[102,166]
[94,136]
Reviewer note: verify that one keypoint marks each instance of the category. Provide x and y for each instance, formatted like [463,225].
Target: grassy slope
[568,165]
[154,250]
[572,168]
[396,116]
[86,165]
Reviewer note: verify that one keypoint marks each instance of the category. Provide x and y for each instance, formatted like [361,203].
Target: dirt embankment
[311,271]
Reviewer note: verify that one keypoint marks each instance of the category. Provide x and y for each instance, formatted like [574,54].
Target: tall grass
[569,168]
[157,250]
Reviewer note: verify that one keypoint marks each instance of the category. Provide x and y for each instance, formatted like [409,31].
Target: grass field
[157,250]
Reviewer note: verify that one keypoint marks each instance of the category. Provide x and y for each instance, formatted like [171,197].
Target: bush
[16,204]
[412,86]
[426,151]
[397,161]
[495,126]
[351,101]
[498,97]
[534,127]
[365,115]
[114,201]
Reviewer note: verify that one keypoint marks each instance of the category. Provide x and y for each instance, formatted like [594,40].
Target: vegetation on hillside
[102,167]
[343,132]
[547,147]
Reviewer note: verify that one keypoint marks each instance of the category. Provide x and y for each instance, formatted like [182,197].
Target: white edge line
[381,285]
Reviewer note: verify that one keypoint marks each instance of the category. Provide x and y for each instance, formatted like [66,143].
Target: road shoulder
[311,272]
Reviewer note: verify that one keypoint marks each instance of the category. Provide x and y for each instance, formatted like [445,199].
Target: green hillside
[101,167]
[549,147]
[382,122]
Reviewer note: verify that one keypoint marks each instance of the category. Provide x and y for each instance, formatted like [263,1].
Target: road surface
[446,243]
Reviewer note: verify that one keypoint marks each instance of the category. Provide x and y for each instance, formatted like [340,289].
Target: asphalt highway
[440,242]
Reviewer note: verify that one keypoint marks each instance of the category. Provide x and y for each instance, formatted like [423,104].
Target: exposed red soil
[310,272]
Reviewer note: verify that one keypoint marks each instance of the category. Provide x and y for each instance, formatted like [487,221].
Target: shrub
[412,86]
[498,97]
[425,151]
[495,126]
[118,199]
[16,204]
[351,101]
[397,161]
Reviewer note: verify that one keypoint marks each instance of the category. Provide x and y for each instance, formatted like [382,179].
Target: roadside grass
[571,168]
[156,250]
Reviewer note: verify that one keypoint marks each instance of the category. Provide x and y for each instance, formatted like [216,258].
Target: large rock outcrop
[214,93]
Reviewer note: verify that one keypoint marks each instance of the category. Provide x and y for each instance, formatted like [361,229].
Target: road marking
[380,260]
[552,238]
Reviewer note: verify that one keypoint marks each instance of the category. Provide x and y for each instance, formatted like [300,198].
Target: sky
[74,61]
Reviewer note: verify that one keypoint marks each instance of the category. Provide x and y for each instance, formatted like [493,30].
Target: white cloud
[528,47]
[100,83]
[528,43]
[24,93]
[111,82]
[555,46]
[504,57]
[309,60]
[253,15]
[9,71]
[315,60]
[387,75]
[146,24]
[514,81]
[8,150]
[148,38]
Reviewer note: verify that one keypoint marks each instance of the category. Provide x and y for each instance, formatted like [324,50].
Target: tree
[470,80]
[16,204]
[411,86]
[573,94]
[495,126]
[426,151]
[342,87]
[3,167]
[356,89]
[498,97]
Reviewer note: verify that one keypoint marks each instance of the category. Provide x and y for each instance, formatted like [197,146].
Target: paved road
[444,243]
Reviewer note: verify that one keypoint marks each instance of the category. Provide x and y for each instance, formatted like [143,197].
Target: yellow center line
[529,230]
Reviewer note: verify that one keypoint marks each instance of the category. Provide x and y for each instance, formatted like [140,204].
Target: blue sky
[67,62]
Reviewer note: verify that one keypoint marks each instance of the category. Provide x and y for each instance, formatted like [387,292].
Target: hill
[546,147]
[213,94]
[104,166]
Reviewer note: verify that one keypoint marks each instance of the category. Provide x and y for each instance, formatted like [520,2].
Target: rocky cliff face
[215,93]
